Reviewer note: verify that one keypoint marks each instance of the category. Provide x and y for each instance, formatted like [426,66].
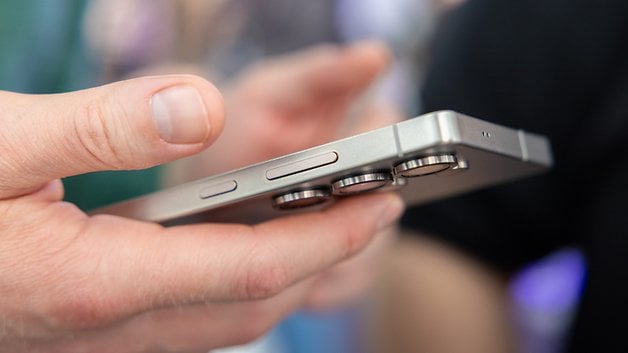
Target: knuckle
[95,135]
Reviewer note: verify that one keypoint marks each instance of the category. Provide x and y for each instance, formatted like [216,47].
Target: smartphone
[426,158]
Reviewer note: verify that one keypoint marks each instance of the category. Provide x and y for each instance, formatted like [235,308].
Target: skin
[291,102]
[74,283]
[307,97]
[434,298]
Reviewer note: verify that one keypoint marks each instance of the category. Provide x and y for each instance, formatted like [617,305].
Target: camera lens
[361,183]
[302,198]
[425,165]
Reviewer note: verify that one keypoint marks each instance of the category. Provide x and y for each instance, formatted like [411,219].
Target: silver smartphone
[429,157]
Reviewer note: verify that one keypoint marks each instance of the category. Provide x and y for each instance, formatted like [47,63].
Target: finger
[50,192]
[340,289]
[203,327]
[377,116]
[135,266]
[192,328]
[343,69]
[132,124]
[324,71]
[350,280]
[369,117]
[198,328]
[309,92]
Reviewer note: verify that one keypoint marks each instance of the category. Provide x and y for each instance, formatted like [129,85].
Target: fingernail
[180,115]
[391,211]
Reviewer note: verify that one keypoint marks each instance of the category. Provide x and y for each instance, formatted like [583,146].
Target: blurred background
[48,47]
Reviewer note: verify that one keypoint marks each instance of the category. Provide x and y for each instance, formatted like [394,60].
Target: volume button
[218,189]
[301,165]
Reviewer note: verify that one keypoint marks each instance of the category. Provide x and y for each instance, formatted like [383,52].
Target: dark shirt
[559,68]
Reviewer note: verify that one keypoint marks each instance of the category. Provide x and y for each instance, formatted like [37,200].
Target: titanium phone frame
[429,157]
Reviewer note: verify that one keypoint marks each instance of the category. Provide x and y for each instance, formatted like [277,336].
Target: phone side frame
[429,133]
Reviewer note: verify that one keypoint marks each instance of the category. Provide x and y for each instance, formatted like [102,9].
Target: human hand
[291,102]
[298,100]
[295,101]
[351,281]
[73,283]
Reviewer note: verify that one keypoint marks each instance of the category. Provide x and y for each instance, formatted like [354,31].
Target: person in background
[559,68]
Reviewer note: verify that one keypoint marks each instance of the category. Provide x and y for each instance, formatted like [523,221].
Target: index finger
[145,266]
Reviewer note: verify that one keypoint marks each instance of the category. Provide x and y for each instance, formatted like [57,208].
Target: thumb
[131,124]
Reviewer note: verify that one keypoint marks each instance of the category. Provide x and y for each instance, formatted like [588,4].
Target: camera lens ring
[425,165]
[302,198]
[360,183]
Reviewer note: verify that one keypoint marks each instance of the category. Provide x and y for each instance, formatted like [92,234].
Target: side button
[301,166]
[218,189]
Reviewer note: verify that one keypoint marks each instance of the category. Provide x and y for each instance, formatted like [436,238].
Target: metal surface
[361,183]
[452,153]
[218,189]
[302,198]
[425,165]
[301,165]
